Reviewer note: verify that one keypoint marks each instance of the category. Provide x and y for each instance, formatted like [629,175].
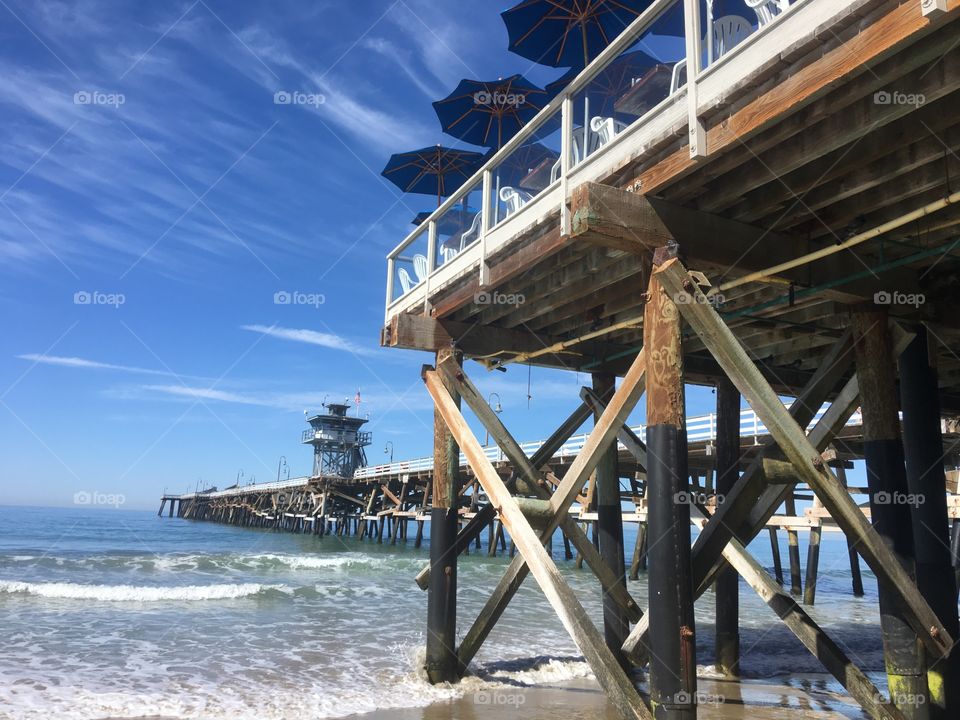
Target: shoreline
[776,698]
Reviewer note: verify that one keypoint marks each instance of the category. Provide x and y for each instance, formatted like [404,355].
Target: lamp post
[496,408]
[239,475]
[388,448]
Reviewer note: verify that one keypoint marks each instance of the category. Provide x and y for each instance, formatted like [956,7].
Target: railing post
[431,263]
[566,150]
[933,8]
[391,271]
[486,213]
[698,133]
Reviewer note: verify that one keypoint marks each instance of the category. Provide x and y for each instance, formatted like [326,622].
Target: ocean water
[121,613]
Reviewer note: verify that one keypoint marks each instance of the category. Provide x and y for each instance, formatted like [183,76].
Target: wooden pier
[785,223]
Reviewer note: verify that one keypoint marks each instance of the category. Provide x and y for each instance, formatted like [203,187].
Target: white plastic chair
[514,199]
[728,32]
[767,10]
[448,254]
[578,155]
[472,233]
[420,267]
[605,129]
[406,283]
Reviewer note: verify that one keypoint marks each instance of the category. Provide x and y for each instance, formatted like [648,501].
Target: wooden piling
[728,582]
[923,453]
[441,658]
[609,529]
[775,551]
[887,482]
[856,578]
[793,547]
[813,557]
[673,665]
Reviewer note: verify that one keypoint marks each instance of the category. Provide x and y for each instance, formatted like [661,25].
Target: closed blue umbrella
[489,113]
[567,33]
[432,170]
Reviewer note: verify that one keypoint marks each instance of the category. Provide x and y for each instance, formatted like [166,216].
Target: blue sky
[146,168]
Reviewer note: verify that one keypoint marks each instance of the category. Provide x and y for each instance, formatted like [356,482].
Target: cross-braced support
[533,558]
[793,615]
[804,456]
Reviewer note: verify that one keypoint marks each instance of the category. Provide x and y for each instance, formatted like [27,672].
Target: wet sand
[801,696]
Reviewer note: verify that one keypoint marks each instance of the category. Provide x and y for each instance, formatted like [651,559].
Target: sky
[155,200]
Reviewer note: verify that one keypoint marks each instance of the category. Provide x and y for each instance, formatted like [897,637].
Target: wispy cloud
[311,337]
[83,363]
[202,393]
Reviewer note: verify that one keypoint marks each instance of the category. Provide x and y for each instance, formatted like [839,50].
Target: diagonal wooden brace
[604,432]
[810,467]
[486,514]
[571,613]
[806,629]
[456,378]
[750,504]
[802,625]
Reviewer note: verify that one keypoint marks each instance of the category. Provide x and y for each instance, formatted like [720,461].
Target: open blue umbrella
[451,222]
[609,84]
[567,33]
[521,161]
[488,113]
[432,170]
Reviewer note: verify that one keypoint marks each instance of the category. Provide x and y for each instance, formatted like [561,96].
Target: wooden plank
[561,597]
[806,459]
[604,432]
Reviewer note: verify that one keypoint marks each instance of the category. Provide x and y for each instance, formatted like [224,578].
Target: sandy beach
[805,696]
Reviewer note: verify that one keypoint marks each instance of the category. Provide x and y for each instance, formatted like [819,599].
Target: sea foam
[136,593]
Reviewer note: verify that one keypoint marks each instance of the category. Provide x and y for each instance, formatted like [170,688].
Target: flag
[357,398]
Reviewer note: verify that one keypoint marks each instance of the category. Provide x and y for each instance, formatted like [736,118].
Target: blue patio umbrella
[489,113]
[435,170]
[451,222]
[521,161]
[567,33]
[609,84]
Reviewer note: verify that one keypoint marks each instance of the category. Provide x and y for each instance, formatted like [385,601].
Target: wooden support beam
[616,623]
[571,613]
[603,433]
[611,217]
[923,451]
[672,642]
[806,459]
[887,480]
[727,641]
[806,630]
[441,659]
[813,558]
[611,583]
[421,332]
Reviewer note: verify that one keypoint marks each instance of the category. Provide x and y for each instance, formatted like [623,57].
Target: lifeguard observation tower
[338,442]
